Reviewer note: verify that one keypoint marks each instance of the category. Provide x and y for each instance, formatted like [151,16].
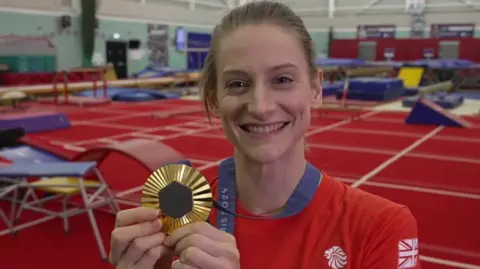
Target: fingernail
[157,212]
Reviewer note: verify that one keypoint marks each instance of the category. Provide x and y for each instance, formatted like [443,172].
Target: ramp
[426,112]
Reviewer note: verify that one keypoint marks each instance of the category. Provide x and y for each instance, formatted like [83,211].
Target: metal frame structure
[16,179]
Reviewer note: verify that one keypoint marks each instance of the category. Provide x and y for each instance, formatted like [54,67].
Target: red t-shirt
[341,228]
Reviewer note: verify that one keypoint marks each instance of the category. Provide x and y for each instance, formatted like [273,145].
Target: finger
[140,245]
[150,257]
[213,248]
[179,265]
[200,228]
[121,237]
[196,257]
[135,215]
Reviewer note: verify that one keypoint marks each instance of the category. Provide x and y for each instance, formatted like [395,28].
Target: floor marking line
[394,158]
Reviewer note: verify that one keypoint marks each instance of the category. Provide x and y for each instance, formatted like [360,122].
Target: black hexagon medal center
[175,200]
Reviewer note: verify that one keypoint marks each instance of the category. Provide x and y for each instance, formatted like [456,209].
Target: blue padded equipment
[52,169]
[444,63]
[33,122]
[467,94]
[133,94]
[331,88]
[158,72]
[111,92]
[134,97]
[441,99]
[27,154]
[426,112]
[373,89]
[449,101]
[338,62]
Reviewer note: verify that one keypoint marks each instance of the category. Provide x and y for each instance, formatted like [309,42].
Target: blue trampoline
[27,154]
[443,64]
[339,62]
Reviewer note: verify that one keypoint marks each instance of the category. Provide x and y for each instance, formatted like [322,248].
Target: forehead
[260,46]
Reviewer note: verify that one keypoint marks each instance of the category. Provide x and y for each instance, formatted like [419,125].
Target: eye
[236,85]
[283,79]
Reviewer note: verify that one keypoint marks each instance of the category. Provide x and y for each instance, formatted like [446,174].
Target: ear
[317,84]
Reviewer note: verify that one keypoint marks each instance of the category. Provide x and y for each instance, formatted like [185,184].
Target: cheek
[228,107]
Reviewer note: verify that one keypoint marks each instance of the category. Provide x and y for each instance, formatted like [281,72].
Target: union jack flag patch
[407,253]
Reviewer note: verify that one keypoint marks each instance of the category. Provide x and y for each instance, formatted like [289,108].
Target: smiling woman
[279,210]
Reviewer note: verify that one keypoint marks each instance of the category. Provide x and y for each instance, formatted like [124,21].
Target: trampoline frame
[103,195]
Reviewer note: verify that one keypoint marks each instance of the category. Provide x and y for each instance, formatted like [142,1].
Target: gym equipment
[66,99]
[411,76]
[10,137]
[33,122]
[64,180]
[373,89]
[27,154]
[426,112]
[447,86]
[338,62]
[442,100]
[331,88]
[134,94]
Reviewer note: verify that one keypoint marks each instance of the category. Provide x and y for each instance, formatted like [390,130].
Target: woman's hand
[202,246]
[137,241]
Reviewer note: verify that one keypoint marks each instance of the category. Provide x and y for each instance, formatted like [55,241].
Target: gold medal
[182,194]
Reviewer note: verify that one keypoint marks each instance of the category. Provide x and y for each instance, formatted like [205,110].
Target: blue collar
[226,195]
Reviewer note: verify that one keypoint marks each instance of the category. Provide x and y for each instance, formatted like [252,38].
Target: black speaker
[65,21]
[134,44]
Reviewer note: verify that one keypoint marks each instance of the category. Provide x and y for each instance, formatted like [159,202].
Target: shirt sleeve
[393,242]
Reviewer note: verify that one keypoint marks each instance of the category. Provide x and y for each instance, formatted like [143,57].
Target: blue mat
[373,89]
[132,94]
[27,154]
[332,88]
[444,101]
[467,94]
[338,62]
[374,84]
[35,122]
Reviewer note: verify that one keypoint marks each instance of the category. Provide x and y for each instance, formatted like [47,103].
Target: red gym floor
[433,170]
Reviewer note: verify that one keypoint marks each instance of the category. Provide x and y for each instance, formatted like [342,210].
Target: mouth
[266,128]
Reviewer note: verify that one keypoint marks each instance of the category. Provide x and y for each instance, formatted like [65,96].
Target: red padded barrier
[405,49]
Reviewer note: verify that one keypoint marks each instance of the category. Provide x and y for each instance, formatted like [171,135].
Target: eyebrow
[274,68]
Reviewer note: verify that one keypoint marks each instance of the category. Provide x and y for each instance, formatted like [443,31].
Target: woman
[260,79]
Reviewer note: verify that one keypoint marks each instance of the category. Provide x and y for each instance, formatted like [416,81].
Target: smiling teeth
[264,129]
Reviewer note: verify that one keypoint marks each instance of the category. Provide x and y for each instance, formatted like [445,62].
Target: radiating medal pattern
[182,194]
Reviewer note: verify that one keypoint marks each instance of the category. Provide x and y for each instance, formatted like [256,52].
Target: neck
[265,188]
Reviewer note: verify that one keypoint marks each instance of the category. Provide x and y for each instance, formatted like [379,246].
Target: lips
[266,128]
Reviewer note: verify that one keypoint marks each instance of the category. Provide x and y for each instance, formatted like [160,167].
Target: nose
[260,102]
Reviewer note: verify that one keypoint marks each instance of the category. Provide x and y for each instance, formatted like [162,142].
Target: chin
[264,154]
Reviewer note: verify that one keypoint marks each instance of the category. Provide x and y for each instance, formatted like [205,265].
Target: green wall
[68,45]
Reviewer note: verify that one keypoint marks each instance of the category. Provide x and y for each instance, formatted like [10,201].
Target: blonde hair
[262,12]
